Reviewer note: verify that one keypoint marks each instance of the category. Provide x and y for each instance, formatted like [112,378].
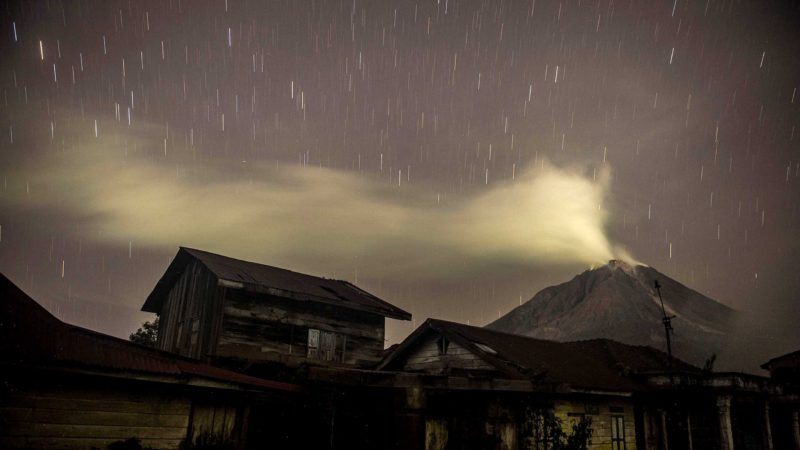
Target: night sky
[452,157]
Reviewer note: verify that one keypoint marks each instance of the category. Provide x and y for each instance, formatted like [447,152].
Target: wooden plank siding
[190,319]
[426,358]
[215,423]
[46,416]
[256,324]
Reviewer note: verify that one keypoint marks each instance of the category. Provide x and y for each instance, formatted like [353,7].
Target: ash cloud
[121,190]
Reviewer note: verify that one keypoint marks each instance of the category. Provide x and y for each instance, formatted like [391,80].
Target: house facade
[518,385]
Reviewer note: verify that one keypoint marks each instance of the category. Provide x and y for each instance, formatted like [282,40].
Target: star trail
[453,157]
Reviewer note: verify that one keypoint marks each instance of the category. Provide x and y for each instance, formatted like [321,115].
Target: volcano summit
[618,301]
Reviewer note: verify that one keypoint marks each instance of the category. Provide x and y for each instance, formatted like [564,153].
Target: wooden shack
[517,381]
[216,307]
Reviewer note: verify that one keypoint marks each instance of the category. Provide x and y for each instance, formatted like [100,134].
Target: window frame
[618,432]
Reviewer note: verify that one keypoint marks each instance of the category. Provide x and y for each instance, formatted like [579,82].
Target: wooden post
[663,428]
[689,430]
[725,428]
[767,427]
[796,428]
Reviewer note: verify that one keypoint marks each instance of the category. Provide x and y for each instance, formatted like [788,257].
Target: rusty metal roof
[599,364]
[272,280]
[32,336]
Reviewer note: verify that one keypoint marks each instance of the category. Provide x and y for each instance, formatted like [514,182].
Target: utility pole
[667,321]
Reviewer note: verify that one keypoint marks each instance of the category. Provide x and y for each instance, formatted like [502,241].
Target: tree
[543,430]
[147,335]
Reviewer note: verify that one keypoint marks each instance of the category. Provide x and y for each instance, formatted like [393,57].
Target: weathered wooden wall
[507,421]
[216,423]
[49,416]
[190,316]
[426,358]
[255,325]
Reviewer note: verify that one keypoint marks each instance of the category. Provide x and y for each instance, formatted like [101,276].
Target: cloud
[314,218]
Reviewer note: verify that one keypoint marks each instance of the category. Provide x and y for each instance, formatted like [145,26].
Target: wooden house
[517,380]
[212,306]
[469,388]
[66,387]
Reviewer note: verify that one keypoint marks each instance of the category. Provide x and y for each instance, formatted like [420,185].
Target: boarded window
[326,345]
[313,343]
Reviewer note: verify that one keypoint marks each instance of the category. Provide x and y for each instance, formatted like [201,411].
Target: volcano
[618,301]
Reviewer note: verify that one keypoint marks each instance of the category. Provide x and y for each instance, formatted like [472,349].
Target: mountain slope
[618,301]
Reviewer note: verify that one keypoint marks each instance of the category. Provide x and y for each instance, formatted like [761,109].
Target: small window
[442,345]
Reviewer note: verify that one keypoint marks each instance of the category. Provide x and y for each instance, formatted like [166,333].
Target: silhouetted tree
[146,335]
[542,429]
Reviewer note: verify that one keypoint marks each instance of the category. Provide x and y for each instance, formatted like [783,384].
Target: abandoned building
[477,385]
[215,307]
[226,325]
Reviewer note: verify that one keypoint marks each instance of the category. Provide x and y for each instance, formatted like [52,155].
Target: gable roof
[31,336]
[272,280]
[599,364]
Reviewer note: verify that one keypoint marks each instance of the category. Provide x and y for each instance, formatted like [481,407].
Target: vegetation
[146,335]
[544,430]
[709,365]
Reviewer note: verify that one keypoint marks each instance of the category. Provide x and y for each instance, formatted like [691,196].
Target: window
[326,345]
[617,432]
[442,343]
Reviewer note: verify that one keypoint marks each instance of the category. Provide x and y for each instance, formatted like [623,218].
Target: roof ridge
[271,280]
[219,255]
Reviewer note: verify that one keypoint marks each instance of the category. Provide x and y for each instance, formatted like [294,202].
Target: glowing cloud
[316,218]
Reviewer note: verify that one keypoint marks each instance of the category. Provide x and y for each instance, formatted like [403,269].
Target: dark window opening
[442,345]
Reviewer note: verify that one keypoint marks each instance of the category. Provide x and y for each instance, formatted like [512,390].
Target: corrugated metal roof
[600,364]
[278,281]
[31,335]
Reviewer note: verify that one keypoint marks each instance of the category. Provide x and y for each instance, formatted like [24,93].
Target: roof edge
[392,311]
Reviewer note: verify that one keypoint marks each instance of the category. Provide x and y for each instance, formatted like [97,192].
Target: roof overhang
[188,380]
